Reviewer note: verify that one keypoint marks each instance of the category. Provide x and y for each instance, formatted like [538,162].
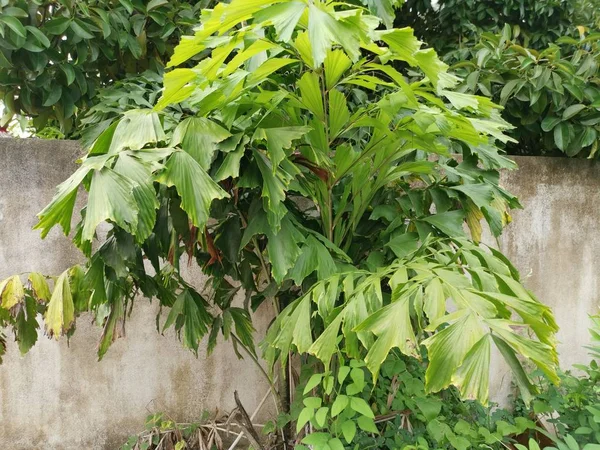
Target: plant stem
[276,396]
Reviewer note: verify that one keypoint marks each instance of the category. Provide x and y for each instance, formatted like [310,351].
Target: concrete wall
[58,396]
[554,241]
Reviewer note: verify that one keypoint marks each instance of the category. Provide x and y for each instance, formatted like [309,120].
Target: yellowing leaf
[39,286]
[60,314]
[175,89]
[259,46]
[12,292]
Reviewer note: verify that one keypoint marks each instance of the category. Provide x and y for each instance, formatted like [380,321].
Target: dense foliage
[56,55]
[452,25]
[551,96]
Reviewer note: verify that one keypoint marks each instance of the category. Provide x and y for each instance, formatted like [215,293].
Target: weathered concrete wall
[554,241]
[58,396]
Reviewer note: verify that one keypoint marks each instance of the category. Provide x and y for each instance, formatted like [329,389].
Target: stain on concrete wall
[59,396]
[554,241]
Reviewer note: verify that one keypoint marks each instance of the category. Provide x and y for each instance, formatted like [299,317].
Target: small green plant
[346,406]
[572,408]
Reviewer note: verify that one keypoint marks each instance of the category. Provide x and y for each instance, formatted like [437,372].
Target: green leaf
[314,256]
[449,223]
[111,327]
[339,404]
[40,37]
[283,16]
[349,430]
[81,29]
[14,24]
[430,407]
[313,382]
[69,73]
[361,407]
[339,115]
[278,139]
[283,249]
[15,12]
[572,111]
[550,122]
[563,134]
[321,416]
[53,96]
[310,93]
[137,128]
[367,424]
[195,187]
[324,30]
[326,345]
[448,348]
[434,304]
[336,63]
[305,415]
[175,87]
[508,89]
[144,195]
[403,43]
[60,209]
[198,136]
[473,376]
[335,444]
[482,194]
[384,9]
[195,318]
[312,402]
[60,314]
[57,26]
[275,184]
[404,244]
[231,165]
[26,325]
[433,67]
[111,198]
[393,328]
[153,4]
[318,440]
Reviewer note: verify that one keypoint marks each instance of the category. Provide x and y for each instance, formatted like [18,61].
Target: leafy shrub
[55,56]
[552,96]
[572,408]
[452,25]
[395,411]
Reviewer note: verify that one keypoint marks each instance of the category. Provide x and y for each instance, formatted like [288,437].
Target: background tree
[56,55]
